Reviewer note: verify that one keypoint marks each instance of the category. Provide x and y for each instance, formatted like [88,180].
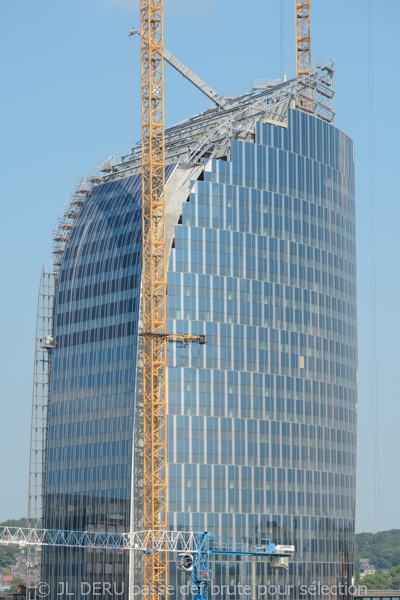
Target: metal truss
[148,542]
[145,541]
[303,51]
[40,399]
[303,37]
[214,129]
[193,549]
[269,105]
[154,291]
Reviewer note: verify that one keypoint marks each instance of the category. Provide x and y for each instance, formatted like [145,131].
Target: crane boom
[153,288]
[193,549]
[143,541]
[195,79]
[190,76]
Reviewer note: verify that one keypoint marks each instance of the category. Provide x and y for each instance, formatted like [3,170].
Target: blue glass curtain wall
[262,420]
[89,446]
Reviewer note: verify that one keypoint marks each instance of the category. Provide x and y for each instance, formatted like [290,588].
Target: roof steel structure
[209,133]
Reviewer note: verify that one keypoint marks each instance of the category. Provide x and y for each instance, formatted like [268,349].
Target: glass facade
[91,408]
[261,420]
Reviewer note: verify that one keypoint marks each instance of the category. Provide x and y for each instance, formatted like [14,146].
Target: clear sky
[70,97]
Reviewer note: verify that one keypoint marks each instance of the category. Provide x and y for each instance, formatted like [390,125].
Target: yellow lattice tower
[303,50]
[154,288]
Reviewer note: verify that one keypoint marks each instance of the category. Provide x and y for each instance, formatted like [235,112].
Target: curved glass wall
[91,410]
[262,420]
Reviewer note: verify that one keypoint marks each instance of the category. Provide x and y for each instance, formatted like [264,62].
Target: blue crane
[194,550]
[208,545]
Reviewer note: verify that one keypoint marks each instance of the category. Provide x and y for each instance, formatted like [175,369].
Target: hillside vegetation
[382,581]
[382,549]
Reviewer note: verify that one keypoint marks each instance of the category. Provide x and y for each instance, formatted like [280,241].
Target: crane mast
[154,268]
[303,39]
[153,288]
[303,49]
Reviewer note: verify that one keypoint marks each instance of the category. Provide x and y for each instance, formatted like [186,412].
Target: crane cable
[375,407]
[281,40]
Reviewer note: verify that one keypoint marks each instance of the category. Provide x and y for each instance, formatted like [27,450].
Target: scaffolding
[72,210]
[40,396]
[316,95]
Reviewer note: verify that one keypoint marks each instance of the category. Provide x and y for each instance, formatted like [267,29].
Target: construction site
[195,383]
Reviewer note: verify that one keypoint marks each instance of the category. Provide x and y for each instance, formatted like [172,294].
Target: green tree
[15,582]
[22,522]
[395,575]
[378,581]
[7,553]
[382,548]
[382,581]
[7,556]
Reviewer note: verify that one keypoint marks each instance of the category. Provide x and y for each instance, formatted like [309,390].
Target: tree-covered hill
[382,581]
[22,522]
[382,548]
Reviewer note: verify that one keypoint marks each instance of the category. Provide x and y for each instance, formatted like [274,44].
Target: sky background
[70,97]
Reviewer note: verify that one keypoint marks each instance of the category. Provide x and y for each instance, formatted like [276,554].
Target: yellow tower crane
[154,286]
[303,49]
[154,293]
[154,268]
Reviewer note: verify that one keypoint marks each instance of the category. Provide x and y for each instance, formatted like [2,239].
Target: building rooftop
[209,133]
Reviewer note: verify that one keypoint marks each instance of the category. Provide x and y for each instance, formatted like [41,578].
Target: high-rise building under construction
[260,227]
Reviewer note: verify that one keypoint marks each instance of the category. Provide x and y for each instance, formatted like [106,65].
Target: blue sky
[71,96]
